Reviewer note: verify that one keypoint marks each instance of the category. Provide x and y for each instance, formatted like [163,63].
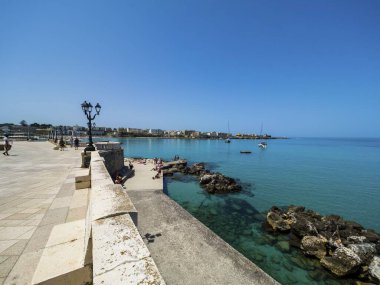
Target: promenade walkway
[185,250]
[36,189]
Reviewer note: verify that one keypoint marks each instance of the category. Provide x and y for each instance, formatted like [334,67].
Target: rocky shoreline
[342,247]
[212,182]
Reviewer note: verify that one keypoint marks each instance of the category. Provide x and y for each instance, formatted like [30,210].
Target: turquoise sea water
[329,175]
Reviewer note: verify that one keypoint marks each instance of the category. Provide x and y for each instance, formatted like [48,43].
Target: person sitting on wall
[157,175]
[118,179]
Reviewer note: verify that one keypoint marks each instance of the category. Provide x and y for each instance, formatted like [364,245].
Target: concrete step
[82,178]
[63,258]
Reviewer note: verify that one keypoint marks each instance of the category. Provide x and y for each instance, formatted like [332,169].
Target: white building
[135,131]
[155,131]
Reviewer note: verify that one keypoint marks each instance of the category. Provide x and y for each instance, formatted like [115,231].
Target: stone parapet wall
[113,160]
[107,145]
[119,255]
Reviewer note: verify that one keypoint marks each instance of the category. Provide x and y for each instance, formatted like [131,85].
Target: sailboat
[228,140]
[262,144]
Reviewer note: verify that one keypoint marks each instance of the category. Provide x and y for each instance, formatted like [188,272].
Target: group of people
[158,164]
[7,145]
[74,142]
[141,161]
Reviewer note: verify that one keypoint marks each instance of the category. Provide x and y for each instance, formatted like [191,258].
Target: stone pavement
[36,190]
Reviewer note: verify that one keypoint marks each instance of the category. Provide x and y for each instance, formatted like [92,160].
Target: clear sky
[300,67]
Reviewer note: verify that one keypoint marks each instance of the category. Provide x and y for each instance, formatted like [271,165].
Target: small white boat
[227,140]
[263,145]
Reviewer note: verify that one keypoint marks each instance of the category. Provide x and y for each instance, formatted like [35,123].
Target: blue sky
[302,68]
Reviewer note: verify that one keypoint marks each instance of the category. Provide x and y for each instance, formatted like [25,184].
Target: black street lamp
[87,108]
[61,141]
[61,131]
[55,135]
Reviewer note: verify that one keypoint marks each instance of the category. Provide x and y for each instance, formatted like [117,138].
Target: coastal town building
[26,131]
[136,131]
[155,132]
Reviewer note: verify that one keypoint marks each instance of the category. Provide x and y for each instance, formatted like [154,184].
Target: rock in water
[283,246]
[365,251]
[315,246]
[374,268]
[343,261]
[303,227]
[197,168]
[205,179]
[343,247]
[279,220]
[218,183]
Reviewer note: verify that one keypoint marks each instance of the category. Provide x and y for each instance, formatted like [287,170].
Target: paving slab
[31,178]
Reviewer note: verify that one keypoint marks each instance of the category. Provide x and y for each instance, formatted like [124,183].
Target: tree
[23,123]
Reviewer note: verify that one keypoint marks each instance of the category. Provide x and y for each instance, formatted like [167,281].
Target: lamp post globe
[87,109]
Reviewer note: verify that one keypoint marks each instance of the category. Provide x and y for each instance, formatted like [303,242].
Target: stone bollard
[86,159]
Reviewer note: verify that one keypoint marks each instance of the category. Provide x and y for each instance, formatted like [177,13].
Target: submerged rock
[283,246]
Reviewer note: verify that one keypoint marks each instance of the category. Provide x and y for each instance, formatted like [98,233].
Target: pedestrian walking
[76,143]
[71,141]
[7,145]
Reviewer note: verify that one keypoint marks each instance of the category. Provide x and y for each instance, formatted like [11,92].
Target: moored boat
[263,145]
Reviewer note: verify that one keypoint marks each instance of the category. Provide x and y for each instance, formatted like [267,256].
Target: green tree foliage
[23,123]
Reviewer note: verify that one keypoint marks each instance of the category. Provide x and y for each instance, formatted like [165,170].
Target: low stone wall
[113,160]
[103,247]
[112,153]
[119,253]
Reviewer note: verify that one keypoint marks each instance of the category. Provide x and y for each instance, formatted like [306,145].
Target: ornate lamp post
[55,135]
[87,108]
[61,141]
